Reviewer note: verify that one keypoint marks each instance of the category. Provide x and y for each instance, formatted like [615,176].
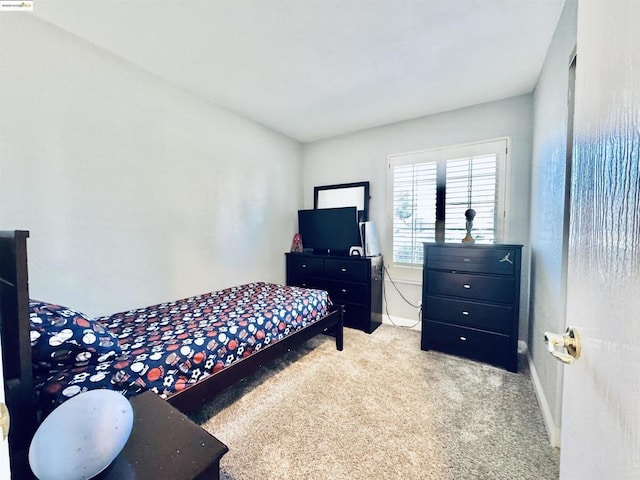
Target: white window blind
[430,192]
[414,215]
[471,183]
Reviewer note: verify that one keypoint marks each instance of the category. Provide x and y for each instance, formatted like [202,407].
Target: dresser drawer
[344,270]
[341,292]
[477,287]
[354,282]
[489,347]
[498,261]
[357,316]
[307,282]
[305,266]
[494,318]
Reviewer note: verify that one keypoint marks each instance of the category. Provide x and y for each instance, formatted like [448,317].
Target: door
[601,391]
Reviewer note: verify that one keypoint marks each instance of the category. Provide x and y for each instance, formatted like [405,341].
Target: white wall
[362,156]
[134,191]
[548,259]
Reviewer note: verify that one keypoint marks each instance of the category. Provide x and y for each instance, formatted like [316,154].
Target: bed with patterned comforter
[165,348]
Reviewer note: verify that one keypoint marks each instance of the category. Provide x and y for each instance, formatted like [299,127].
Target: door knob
[570,341]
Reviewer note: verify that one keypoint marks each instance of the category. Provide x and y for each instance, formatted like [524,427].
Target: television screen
[329,230]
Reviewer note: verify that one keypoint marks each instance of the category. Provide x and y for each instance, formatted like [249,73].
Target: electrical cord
[384,293]
[396,287]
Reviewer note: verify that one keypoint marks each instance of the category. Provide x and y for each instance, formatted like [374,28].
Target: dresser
[354,282]
[471,301]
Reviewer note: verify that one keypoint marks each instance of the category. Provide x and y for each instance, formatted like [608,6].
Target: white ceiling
[312,69]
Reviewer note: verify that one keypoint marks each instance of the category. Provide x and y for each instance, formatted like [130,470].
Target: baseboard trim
[553,431]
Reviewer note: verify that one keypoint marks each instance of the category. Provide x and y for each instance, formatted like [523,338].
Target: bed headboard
[16,344]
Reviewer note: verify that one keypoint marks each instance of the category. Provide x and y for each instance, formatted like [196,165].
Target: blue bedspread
[167,347]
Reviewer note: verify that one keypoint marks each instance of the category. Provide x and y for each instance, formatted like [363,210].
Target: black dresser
[471,301]
[354,282]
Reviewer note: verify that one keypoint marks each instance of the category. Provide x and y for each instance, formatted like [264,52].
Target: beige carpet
[381,409]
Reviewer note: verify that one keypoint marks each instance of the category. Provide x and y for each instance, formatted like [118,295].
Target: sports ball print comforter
[165,347]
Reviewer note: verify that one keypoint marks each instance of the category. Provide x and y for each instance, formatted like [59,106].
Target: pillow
[62,338]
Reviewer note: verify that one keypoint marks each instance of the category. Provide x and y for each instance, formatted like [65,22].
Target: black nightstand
[165,444]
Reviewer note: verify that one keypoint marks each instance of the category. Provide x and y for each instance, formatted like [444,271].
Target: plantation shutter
[455,179]
[414,203]
[471,183]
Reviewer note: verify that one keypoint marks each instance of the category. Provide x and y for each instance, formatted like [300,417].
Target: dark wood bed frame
[16,352]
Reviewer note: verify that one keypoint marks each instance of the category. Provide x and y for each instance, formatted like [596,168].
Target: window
[431,190]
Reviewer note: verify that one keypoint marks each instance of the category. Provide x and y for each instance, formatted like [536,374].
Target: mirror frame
[324,190]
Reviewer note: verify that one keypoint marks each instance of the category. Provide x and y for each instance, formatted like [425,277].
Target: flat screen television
[329,231]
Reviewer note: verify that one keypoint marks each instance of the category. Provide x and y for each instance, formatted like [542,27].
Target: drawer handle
[466,285]
[464,312]
[464,339]
[304,265]
[344,290]
[343,269]
[467,259]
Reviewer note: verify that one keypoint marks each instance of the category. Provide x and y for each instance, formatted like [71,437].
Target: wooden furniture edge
[16,345]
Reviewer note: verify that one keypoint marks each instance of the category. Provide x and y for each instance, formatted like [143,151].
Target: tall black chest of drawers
[354,282]
[471,301]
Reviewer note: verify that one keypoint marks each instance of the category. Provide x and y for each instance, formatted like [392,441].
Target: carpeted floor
[381,409]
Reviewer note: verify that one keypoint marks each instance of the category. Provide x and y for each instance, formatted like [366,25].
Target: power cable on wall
[384,293]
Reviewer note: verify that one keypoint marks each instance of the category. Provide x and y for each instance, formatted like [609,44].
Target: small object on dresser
[296,244]
[469,215]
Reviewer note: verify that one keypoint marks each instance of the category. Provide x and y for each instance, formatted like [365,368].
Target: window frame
[499,146]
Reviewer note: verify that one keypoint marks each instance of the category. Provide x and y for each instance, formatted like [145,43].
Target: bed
[186,351]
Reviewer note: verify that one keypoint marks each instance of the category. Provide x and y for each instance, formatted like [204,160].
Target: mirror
[344,195]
